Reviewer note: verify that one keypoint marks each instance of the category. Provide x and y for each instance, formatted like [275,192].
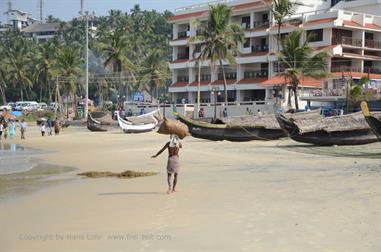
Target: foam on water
[16,159]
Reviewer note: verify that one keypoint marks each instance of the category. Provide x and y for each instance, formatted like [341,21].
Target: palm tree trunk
[295,89]
[225,84]
[278,46]
[21,94]
[4,98]
[289,97]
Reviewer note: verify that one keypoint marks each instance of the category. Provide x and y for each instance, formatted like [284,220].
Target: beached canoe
[235,129]
[373,119]
[350,129]
[101,122]
[130,127]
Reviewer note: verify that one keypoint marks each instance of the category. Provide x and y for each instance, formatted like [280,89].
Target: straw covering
[350,122]
[249,121]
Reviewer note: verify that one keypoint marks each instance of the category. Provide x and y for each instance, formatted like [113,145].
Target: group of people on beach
[50,125]
[8,128]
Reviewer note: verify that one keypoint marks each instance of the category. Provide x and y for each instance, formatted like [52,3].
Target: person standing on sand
[50,125]
[1,130]
[12,129]
[56,126]
[173,165]
[23,126]
[42,129]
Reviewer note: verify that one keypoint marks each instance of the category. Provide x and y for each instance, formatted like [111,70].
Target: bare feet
[173,191]
[169,191]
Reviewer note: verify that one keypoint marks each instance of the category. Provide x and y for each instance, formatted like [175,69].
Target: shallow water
[21,172]
[372,151]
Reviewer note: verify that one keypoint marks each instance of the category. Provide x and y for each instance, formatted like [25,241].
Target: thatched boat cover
[103,118]
[355,121]
[249,121]
[313,114]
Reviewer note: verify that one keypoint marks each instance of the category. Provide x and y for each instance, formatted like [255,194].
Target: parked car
[42,106]
[7,107]
[30,106]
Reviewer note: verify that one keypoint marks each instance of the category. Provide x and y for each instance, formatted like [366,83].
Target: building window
[197,49]
[315,35]
[247,43]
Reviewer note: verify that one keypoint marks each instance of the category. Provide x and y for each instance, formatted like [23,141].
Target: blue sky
[67,9]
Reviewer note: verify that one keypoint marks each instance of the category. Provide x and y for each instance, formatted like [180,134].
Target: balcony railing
[182,56]
[203,77]
[373,44]
[349,41]
[182,78]
[229,76]
[256,74]
[339,69]
[328,92]
[259,48]
[245,26]
[372,70]
[182,34]
[262,24]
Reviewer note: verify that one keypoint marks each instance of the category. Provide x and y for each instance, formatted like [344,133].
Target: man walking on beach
[1,130]
[23,127]
[173,165]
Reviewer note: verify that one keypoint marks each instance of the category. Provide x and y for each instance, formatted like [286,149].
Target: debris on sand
[126,174]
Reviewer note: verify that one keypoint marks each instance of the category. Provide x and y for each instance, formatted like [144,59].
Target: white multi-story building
[352,39]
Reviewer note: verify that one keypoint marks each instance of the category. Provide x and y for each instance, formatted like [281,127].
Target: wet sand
[256,196]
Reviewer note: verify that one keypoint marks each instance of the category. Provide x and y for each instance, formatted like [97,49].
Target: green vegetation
[219,39]
[300,60]
[133,46]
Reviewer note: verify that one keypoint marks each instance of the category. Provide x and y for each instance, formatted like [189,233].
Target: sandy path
[232,197]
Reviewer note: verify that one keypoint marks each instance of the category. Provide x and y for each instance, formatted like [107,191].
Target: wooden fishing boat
[101,122]
[373,119]
[144,126]
[350,129]
[238,129]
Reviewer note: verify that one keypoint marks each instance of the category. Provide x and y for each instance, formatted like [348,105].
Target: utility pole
[40,4]
[81,10]
[87,17]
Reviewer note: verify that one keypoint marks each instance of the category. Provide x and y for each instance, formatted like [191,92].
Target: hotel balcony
[348,41]
[256,74]
[182,78]
[261,24]
[373,44]
[182,56]
[203,77]
[229,76]
[183,34]
[259,48]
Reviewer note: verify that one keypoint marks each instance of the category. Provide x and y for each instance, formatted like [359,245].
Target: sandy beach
[255,196]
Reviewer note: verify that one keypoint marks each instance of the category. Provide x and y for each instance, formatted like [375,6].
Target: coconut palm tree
[155,70]
[219,39]
[280,10]
[18,56]
[68,65]
[300,60]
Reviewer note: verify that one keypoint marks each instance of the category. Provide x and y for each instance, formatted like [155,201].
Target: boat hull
[375,124]
[96,126]
[239,134]
[323,138]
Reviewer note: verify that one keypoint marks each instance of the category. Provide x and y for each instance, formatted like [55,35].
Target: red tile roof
[281,80]
[351,23]
[202,83]
[187,15]
[320,21]
[252,81]
[180,84]
[373,26]
[221,82]
[284,26]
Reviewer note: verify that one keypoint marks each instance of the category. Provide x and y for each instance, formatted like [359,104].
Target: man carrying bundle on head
[173,165]
[177,130]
